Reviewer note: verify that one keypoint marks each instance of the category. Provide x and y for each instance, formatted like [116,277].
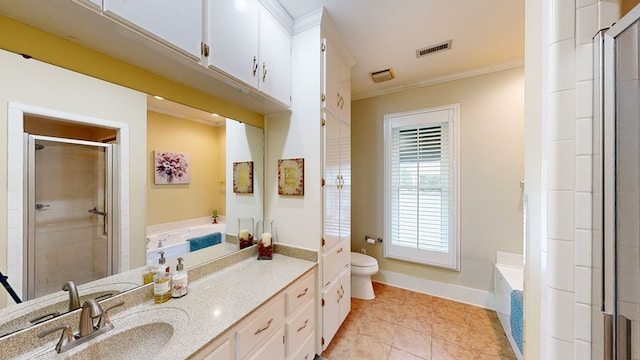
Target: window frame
[451,259]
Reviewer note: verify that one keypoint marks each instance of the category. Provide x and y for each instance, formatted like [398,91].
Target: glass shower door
[69,235]
[622,187]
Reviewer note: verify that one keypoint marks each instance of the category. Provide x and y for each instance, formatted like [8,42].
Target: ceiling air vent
[382,75]
[433,49]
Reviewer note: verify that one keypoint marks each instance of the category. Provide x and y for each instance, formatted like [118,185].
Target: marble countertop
[214,304]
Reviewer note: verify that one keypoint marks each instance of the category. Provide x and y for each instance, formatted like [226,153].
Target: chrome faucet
[93,322]
[91,311]
[74,299]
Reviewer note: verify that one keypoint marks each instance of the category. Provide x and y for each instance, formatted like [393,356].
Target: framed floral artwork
[291,177]
[243,177]
[171,168]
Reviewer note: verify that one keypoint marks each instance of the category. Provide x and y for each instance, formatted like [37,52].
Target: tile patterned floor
[405,325]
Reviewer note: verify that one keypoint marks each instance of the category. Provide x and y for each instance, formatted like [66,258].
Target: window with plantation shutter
[421,187]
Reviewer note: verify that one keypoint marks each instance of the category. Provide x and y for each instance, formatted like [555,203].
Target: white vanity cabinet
[282,328]
[222,351]
[336,300]
[176,24]
[246,42]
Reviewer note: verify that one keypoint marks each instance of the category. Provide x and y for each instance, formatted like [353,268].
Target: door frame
[17,187]
[30,201]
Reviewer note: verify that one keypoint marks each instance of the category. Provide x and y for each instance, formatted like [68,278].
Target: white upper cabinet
[177,24]
[275,58]
[232,34]
[337,82]
[248,43]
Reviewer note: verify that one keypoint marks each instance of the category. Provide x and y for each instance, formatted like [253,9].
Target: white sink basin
[140,342]
[137,334]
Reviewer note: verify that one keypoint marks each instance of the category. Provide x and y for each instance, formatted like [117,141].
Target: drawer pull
[303,293]
[339,251]
[303,326]
[264,328]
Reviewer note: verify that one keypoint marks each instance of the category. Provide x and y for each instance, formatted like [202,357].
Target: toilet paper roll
[371,241]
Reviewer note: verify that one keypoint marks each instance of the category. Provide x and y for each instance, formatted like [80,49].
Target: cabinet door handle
[264,328]
[303,293]
[342,293]
[339,297]
[339,250]
[264,72]
[255,66]
[303,326]
[338,97]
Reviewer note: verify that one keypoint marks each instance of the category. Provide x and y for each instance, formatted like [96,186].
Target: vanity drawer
[306,351]
[300,327]
[335,260]
[273,349]
[260,327]
[300,292]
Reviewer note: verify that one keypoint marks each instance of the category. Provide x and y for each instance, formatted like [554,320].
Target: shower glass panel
[627,190]
[69,235]
[622,188]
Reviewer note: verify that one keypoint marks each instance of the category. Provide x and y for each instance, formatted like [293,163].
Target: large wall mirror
[67,202]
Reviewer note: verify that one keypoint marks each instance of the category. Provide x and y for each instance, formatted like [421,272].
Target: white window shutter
[420,212]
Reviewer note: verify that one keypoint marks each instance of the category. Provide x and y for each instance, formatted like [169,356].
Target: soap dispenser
[162,281]
[179,281]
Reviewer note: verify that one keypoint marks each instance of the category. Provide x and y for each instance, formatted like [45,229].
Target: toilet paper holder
[369,240]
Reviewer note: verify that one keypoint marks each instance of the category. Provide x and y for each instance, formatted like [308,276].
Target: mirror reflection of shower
[69,199]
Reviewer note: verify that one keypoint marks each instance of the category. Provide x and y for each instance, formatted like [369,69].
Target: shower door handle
[42,206]
[97,212]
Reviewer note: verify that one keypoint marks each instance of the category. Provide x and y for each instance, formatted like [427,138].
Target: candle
[244,234]
[266,239]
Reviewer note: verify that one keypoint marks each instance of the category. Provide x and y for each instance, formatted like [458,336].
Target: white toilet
[362,267]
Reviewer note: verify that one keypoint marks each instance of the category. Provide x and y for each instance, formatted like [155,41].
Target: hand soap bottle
[162,282]
[179,281]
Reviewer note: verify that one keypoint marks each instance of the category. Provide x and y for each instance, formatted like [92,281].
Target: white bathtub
[507,278]
[174,242]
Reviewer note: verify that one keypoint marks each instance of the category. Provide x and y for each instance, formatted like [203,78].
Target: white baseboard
[461,294]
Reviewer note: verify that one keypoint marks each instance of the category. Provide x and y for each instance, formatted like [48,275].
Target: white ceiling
[487,35]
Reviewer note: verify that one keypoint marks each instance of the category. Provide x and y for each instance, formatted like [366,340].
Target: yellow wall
[205,145]
[492,163]
[38,84]
[627,5]
[24,39]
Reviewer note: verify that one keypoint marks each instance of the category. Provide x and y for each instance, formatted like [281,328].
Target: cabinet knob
[264,72]
[255,66]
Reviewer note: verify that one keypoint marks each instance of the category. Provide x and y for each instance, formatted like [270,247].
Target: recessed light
[159,97]
[214,114]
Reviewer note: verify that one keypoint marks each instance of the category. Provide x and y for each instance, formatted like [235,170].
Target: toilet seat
[362,268]
[362,260]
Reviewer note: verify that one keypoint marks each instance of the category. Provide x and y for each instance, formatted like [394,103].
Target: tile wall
[567,156]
